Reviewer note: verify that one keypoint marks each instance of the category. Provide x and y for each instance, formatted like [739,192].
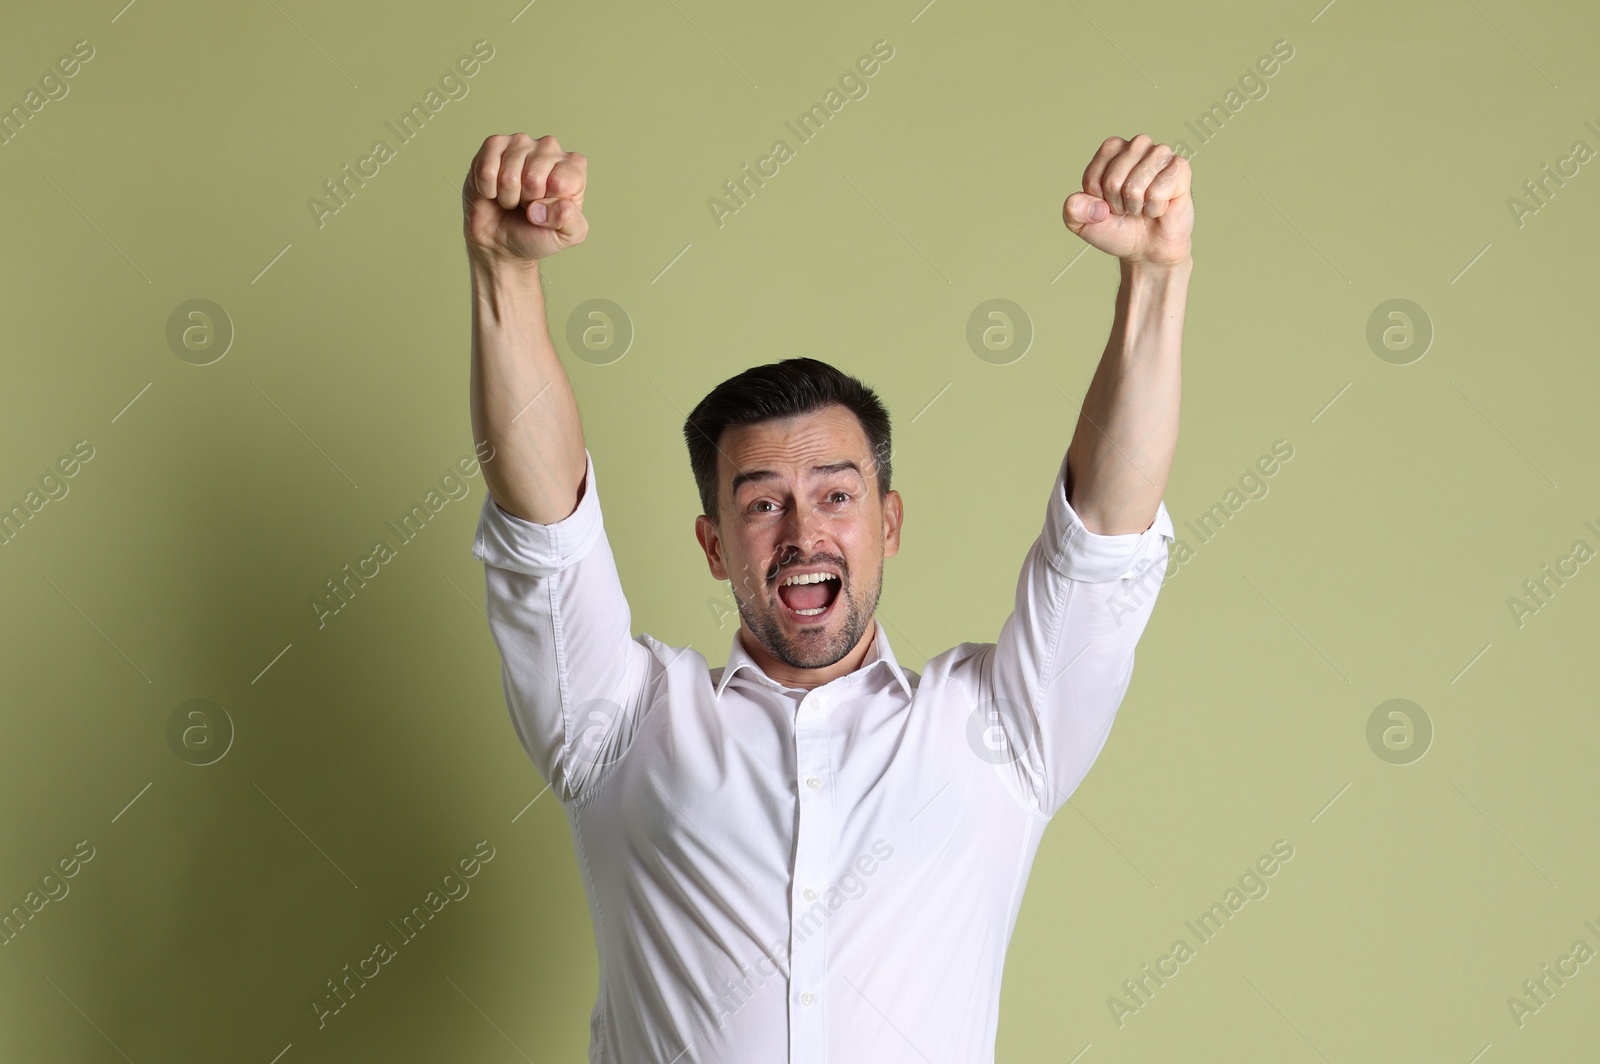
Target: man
[811,854]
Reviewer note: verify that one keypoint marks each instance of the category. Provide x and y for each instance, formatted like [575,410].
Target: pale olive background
[370,755]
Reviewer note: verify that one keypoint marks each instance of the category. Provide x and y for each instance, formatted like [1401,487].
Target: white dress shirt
[775,874]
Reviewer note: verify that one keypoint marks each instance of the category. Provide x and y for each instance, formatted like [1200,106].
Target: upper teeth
[809,578]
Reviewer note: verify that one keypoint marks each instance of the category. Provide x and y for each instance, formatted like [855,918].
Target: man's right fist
[523,198]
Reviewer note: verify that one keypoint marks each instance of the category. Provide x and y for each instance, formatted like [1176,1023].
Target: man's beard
[811,651]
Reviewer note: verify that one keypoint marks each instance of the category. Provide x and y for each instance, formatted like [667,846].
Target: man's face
[799,496]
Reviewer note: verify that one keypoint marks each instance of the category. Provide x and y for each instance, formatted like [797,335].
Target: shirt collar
[879,653]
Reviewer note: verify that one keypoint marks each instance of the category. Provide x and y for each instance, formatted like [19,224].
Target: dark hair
[779,390]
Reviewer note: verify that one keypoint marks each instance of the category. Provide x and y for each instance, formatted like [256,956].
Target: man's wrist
[505,286]
[1151,292]
[483,260]
[1144,268]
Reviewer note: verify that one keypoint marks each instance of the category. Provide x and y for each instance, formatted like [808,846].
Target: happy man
[811,854]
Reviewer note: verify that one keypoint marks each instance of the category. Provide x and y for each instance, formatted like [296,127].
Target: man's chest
[775,796]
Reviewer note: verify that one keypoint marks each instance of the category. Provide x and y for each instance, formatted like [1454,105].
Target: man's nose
[802,530]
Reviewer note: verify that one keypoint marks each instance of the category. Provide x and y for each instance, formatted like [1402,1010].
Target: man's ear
[705,530]
[893,514]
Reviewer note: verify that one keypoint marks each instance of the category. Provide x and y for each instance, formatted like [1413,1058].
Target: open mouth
[810,602]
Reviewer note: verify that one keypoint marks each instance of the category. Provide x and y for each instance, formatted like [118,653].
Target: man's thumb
[547,213]
[1082,208]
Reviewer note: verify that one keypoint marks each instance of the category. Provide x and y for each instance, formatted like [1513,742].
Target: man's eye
[842,496]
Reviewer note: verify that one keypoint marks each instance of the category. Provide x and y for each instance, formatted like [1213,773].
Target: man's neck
[807,679]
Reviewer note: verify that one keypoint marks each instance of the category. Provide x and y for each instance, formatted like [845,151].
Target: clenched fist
[1135,202]
[523,198]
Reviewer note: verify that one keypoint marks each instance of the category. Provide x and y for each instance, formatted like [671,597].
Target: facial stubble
[806,652]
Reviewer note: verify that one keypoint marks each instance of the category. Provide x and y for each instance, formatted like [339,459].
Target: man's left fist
[1135,202]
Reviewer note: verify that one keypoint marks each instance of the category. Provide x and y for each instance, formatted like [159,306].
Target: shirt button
[807,998]
[813,783]
[810,895]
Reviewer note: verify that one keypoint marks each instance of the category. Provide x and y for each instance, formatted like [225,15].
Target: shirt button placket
[813,853]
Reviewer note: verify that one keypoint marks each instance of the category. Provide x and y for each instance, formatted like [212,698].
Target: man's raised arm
[1088,585]
[572,672]
[1135,205]
[522,402]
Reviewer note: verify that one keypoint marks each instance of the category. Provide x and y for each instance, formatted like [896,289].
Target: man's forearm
[1121,453]
[522,402]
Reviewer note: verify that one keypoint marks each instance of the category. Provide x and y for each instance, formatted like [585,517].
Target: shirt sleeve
[573,674]
[1064,657]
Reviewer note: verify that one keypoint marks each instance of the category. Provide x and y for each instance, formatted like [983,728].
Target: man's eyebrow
[753,475]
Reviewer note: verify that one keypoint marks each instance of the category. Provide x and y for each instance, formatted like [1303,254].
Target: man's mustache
[821,559]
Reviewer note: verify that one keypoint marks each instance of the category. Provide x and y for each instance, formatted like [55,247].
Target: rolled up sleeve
[1065,655]
[572,671]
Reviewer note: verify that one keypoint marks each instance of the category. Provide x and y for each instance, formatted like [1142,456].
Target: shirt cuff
[1080,554]
[507,541]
